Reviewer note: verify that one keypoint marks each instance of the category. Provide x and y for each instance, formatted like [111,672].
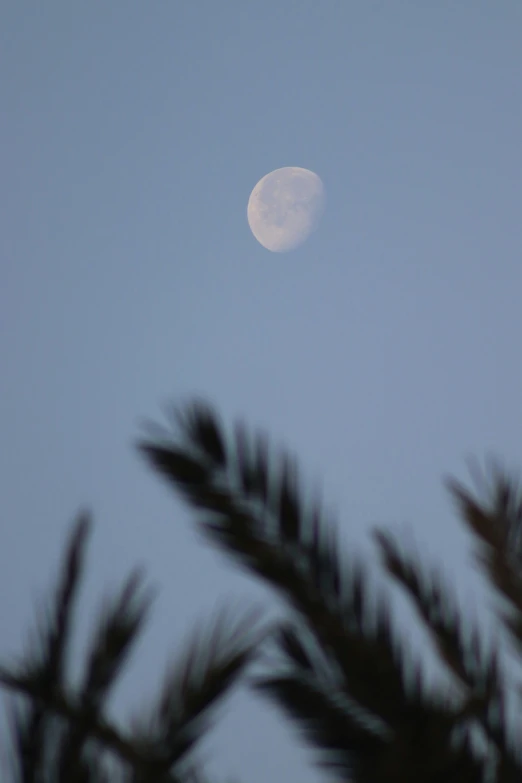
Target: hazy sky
[384,351]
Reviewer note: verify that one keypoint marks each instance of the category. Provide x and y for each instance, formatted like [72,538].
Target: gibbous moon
[285,207]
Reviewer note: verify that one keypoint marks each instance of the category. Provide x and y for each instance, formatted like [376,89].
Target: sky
[384,351]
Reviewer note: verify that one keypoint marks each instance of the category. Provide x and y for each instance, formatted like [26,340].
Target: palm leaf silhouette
[346,679]
[62,735]
[459,643]
[497,526]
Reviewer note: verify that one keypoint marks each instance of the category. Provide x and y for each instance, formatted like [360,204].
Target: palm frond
[61,734]
[119,624]
[55,728]
[46,659]
[90,767]
[496,521]
[459,643]
[351,743]
[252,507]
[346,746]
[494,516]
[304,685]
[245,497]
[197,680]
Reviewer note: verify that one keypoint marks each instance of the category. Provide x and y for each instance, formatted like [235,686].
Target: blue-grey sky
[384,351]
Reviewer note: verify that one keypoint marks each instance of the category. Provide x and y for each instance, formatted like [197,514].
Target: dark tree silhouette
[62,735]
[355,689]
[344,676]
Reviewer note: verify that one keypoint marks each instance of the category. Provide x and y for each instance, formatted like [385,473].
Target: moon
[285,207]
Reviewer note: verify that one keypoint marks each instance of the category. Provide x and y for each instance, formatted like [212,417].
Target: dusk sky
[384,351]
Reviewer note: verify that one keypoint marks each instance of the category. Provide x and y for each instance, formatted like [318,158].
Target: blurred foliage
[61,734]
[350,683]
[345,675]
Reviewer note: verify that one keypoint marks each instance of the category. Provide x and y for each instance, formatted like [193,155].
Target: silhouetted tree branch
[62,735]
[354,688]
[344,674]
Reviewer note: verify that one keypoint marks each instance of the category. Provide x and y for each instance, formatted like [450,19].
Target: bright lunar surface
[284,208]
